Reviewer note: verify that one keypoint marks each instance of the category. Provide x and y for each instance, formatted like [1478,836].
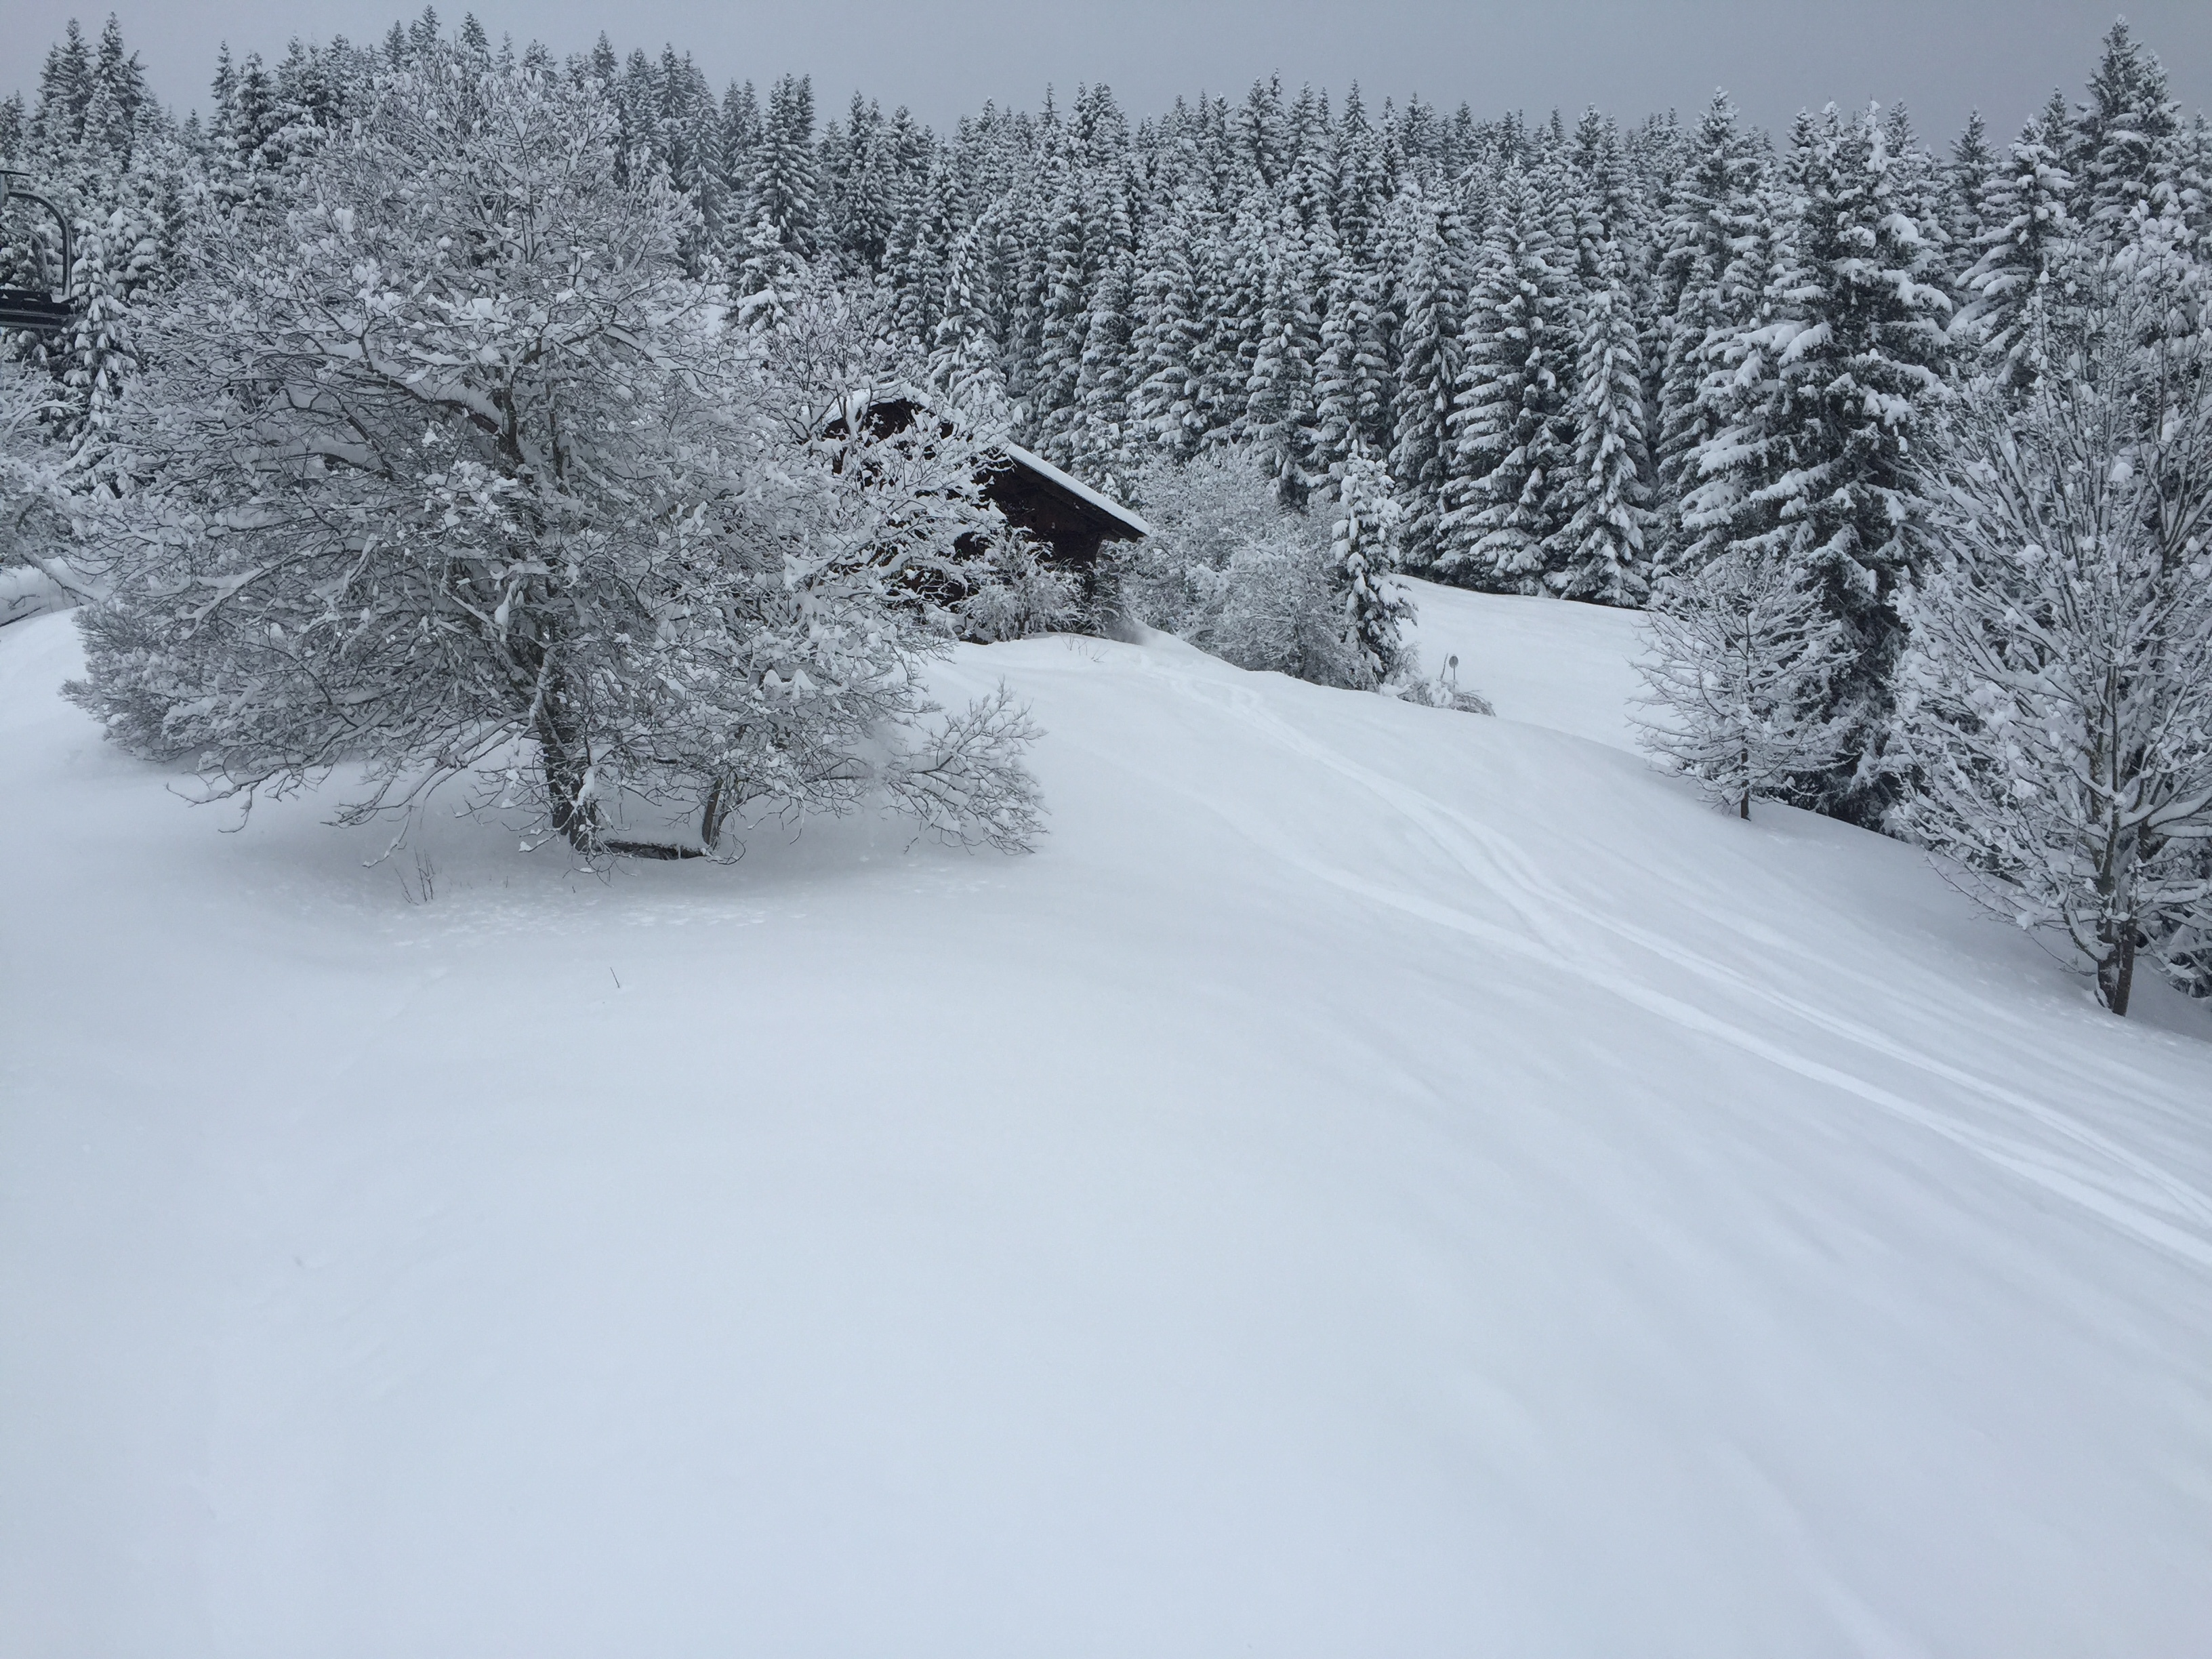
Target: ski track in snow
[2117,1184]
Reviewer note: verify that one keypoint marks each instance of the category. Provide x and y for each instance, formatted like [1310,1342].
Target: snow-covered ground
[1378,1182]
[1570,667]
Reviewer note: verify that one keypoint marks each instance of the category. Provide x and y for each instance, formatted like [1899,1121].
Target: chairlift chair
[39,310]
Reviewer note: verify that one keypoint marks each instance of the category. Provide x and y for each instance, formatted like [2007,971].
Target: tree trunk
[567,760]
[2117,930]
[710,817]
[2115,973]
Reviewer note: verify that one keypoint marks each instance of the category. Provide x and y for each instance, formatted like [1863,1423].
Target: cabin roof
[893,407]
[1037,464]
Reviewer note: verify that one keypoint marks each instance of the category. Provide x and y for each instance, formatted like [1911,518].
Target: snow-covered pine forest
[1521,318]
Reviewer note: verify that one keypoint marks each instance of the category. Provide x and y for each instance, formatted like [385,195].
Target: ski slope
[1376,1182]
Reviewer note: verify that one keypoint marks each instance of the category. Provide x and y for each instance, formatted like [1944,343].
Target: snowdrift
[1378,1181]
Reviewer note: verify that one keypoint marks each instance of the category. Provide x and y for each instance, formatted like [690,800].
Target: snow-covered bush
[1201,512]
[447,465]
[1444,690]
[1256,583]
[1014,593]
[2057,695]
[1274,606]
[1736,654]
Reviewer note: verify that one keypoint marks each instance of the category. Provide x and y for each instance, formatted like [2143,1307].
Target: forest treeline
[1521,319]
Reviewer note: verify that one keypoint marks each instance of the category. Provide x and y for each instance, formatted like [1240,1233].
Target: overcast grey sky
[1942,57]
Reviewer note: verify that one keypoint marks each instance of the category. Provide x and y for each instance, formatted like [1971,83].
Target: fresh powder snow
[1378,1180]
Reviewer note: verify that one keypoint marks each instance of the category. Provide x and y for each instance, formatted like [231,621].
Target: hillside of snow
[1376,1182]
[1568,667]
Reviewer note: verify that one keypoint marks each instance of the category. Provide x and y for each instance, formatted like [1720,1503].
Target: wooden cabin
[1067,515]
[1070,519]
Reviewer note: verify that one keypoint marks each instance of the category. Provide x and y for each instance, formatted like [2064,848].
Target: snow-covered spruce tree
[447,467]
[767,276]
[1428,301]
[735,146]
[1104,443]
[1608,557]
[2057,697]
[964,365]
[1815,467]
[1240,314]
[1507,498]
[1737,652]
[1733,467]
[914,257]
[1603,198]
[860,194]
[1711,240]
[2027,224]
[1371,243]
[107,155]
[1063,324]
[1602,552]
[1362,560]
[2192,179]
[1968,178]
[2121,149]
[95,357]
[1279,414]
[1917,189]
[1351,381]
[1101,443]
[786,171]
[1168,340]
[1221,374]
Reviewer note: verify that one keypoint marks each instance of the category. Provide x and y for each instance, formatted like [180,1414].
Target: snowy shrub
[447,465]
[1200,514]
[1444,691]
[1274,606]
[2056,695]
[1261,585]
[1014,593]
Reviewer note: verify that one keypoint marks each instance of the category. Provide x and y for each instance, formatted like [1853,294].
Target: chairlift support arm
[23,307]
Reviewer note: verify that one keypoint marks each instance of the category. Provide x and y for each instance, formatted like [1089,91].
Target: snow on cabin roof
[1076,486]
[900,391]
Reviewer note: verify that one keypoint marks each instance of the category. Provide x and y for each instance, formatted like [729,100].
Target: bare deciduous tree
[2058,695]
